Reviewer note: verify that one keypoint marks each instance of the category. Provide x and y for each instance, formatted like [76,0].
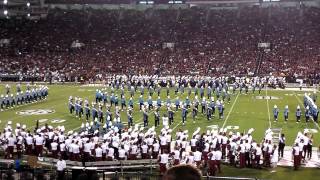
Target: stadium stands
[214,42]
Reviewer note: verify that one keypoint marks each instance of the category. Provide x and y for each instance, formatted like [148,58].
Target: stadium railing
[129,169]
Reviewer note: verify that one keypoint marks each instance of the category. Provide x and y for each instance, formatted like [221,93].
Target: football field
[242,113]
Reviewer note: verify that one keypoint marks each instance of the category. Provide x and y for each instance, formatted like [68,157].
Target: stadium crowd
[213,42]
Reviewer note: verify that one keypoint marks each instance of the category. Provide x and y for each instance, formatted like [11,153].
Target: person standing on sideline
[61,166]
[282,144]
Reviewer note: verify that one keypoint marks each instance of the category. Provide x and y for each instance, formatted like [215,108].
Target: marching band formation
[30,95]
[204,150]
[104,136]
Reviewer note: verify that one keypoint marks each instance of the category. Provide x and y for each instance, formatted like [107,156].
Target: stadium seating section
[215,42]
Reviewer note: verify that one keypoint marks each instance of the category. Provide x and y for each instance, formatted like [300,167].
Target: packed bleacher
[215,42]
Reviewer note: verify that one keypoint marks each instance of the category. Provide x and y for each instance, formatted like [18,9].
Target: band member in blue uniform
[158,102]
[130,103]
[87,109]
[141,102]
[209,111]
[116,101]
[156,117]
[177,103]
[168,102]
[80,108]
[307,114]
[71,105]
[203,105]
[145,116]
[100,114]
[286,113]
[194,113]
[298,114]
[187,102]
[212,106]
[123,102]
[201,92]
[221,110]
[130,117]
[94,112]
[150,103]
[275,113]
[184,114]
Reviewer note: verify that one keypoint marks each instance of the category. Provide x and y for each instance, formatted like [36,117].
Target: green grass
[244,111]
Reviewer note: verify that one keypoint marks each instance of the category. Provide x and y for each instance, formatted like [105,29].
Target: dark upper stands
[212,42]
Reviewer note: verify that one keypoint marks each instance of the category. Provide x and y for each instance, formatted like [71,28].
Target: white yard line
[268,108]
[180,122]
[176,125]
[300,102]
[141,119]
[235,100]
[76,128]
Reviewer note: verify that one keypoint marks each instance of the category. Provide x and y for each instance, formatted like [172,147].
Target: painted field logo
[42,120]
[311,131]
[58,120]
[83,90]
[293,95]
[35,112]
[213,127]
[233,127]
[267,97]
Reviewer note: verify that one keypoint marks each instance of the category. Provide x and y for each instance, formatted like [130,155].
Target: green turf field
[244,111]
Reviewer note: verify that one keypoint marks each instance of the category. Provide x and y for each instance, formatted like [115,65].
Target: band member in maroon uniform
[176,156]
[242,156]
[212,163]
[163,161]
[296,156]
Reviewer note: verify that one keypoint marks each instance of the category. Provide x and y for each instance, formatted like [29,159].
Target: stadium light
[146,2]
[28,4]
[5,12]
[175,2]
[5,2]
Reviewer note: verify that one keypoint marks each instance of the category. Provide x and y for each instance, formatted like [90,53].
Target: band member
[156,118]
[177,103]
[307,114]
[197,158]
[184,114]
[257,157]
[275,113]
[150,103]
[298,114]
[296,156]
[218,159]
[155,149]
[144,151]
[141,103]
[163,161]
[130,117]
[286,113]
[242,157]
[176,156]
[170,115]
[212,163]
[309,147]
[145,117]
[282,144]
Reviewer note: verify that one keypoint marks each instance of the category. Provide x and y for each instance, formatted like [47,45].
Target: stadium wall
[143,7]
